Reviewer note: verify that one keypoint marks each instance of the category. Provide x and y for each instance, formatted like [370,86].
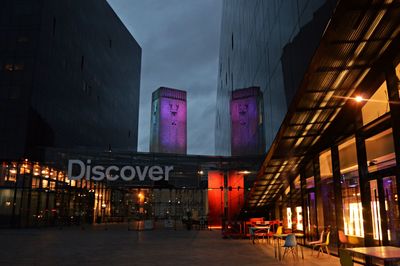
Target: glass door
[385,211]
[391,210]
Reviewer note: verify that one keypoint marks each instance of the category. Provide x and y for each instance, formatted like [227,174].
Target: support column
[337,188]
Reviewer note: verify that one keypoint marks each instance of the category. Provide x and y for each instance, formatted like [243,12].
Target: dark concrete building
[168,132]
[254,35]
[69,77]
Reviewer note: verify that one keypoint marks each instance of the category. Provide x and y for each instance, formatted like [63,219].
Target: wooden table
[386,253]
[277,244]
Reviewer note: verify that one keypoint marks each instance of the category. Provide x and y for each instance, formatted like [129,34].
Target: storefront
[34,194]
[335,163]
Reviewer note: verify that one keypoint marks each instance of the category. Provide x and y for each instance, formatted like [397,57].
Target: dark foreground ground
[118,246]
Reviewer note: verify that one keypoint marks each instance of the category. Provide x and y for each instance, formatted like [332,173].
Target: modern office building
[334,163]
[168,132]
[247,128]
[253,37]
[69,77]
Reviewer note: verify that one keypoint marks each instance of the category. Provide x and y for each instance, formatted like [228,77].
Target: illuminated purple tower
[168,121]
[247,135]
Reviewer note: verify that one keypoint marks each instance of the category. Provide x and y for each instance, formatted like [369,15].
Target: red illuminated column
[235,194]
[215,198]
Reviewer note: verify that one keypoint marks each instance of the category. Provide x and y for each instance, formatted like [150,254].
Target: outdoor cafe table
[258,229]
[386,253]
[277,244]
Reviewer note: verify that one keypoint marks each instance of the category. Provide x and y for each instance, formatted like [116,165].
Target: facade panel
[247,122]
[253,39]
[74,78]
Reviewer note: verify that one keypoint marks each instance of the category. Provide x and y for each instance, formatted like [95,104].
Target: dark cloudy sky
[180,44]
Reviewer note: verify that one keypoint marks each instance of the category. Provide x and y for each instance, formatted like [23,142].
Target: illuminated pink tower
[168,121]
[247,128]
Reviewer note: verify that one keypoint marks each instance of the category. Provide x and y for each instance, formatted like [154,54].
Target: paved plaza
[117,246]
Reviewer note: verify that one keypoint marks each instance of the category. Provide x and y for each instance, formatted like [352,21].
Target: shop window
[296,182]
[310,176]
[35,182]
[376,106]
[352,208]
[380,151]
[45,183]
[325,164]
[52,185]
[299,218]
[375,210]
[289,217]
[348,156]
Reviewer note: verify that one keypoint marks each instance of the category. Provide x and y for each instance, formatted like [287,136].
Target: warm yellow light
[359,99]
[140,195]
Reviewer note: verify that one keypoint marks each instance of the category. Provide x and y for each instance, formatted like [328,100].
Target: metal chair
[314,244]
[290,246]
[324,245]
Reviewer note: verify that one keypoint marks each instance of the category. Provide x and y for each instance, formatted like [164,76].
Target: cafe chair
[324,245]
[315,244]
[344,241]
[290,246]
[346,258]
[279,230]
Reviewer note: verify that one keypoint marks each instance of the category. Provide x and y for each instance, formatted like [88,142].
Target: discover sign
[77,169]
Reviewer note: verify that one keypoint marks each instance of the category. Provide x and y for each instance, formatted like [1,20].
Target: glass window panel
[392,209]
[289,217]
[375,210]
[45,183]
[311,216]
[376,106]
[352,208]
[310,182]
[380,151]
[348,156]
[299,218]
[325,164]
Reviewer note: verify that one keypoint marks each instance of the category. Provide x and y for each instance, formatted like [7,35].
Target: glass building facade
[341,136]
[253,39]
[67,78]
[35,194]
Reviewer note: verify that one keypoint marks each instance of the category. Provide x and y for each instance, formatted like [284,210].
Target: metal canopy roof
[358,33]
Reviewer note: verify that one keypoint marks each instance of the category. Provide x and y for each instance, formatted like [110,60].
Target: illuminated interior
[376,106]
[375,210]
[352,208]
[380,151]
[325,164]
[289,217]
[299,218]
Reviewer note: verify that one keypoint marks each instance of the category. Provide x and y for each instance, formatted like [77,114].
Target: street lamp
[359,98]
